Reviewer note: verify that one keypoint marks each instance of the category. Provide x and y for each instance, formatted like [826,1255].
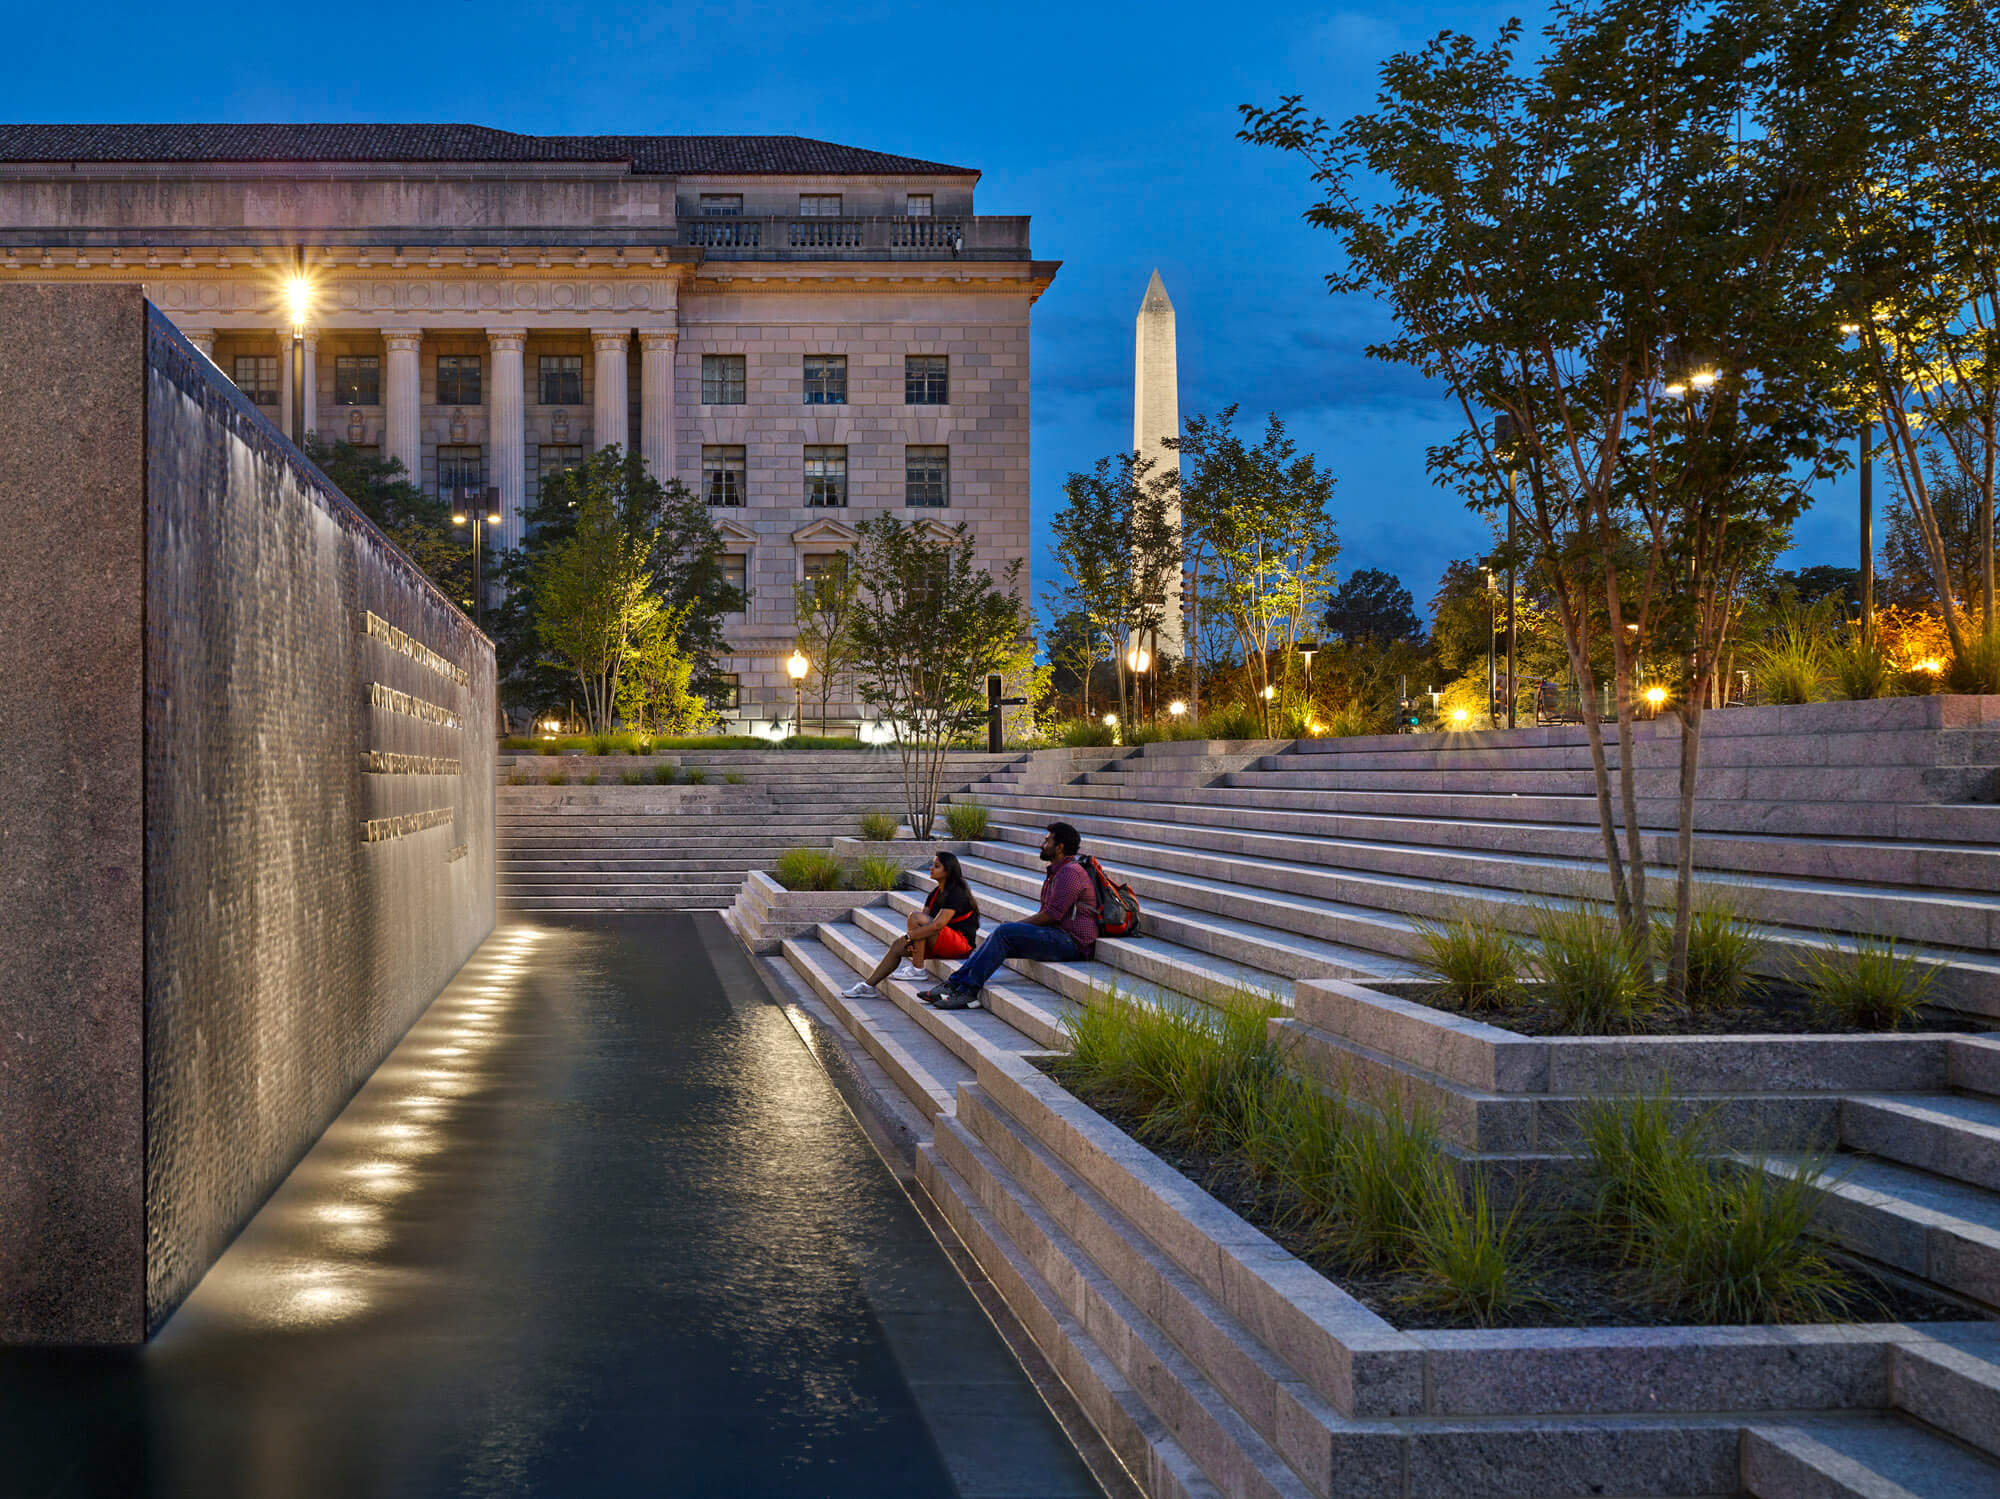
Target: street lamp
[1492,629]
[1138,660]
[462,515]
[796,667]
[1176,708]
[1309,649]
[1867,499]
[1505,431]
[298,302]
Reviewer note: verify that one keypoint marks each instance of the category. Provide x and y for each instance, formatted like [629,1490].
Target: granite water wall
[246,808]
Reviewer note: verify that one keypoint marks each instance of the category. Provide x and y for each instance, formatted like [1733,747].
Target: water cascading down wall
[246,810]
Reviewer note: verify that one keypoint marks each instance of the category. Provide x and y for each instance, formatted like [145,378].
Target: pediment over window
[734,533]
[935,531]
[826,532]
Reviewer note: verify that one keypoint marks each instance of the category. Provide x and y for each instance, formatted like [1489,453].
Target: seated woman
[947,927]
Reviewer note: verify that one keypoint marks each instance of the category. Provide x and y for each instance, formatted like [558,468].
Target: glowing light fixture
[1702,379]
[1459,715]
[1930,664]
[1111,720]
[1655,696]
[1137,658]
[796,665]
[1269,693]
[298,302]
[1176,708]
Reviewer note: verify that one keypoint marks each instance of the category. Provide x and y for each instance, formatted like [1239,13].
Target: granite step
[1952,1384]
[1949,1134]
[1929,1226]
[926,1070]
[1861,1457]
[1034,1010]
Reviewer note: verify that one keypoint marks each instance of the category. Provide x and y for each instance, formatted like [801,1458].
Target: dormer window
[918,205]
[721,205]
[819,205]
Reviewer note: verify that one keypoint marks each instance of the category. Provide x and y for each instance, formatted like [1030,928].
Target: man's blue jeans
[1014,939]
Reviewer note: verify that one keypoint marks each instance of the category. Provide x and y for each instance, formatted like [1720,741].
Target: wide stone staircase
[1262,865]
[610,846]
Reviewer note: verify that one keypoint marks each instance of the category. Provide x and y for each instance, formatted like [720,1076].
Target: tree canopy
[1373,605]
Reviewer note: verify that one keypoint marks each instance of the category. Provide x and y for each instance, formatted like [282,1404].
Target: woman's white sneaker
[862,990]
[909,973]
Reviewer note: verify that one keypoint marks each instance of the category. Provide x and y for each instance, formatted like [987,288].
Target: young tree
[1373,605]
[684,572]
[1072,646]
[930,624]
[420,525]
[1118,548]
[1922,291]
[1259,516]
[1612,249]
[593,598]
[1956,523]
[823,609]
[655,693]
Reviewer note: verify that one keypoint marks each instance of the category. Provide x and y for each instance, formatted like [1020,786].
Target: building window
[819,205]
[357,380]
[918,205]
[826,476]
[826,379]
[927,477]
[257,377]
[736,573]
[460,467]
[721,205]
[829,565]
[731,693]
[561,382]
[553,458]
[724,380]
[458,380]
[926,379]
[722,474]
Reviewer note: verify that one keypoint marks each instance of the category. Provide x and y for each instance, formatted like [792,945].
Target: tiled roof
[670,155]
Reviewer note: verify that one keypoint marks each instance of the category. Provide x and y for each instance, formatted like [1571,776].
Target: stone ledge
[767,913]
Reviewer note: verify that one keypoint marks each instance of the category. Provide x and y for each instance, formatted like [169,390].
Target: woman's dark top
[958,895]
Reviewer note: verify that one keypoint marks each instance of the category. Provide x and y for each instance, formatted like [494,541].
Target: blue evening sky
[1114,126]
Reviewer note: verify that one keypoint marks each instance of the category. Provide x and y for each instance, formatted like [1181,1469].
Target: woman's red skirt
[949,944]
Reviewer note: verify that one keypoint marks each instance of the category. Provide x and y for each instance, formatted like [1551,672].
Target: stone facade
[254,833]
[579,282]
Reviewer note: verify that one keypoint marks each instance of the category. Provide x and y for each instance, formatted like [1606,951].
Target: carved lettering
[378,628]
[389,763]
[381,695]
[382,829]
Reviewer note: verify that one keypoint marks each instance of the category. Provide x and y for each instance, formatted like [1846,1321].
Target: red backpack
[1117,906]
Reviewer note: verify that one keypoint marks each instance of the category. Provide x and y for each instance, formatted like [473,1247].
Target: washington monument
[1156,415]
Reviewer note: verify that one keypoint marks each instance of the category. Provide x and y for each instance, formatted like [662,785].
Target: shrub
[1721,948]
[558,778]
[517,778]
[807,869]
[966,820]
[1471,1261]
[1871,985]
[1792,661]
[875,872]
[1977,669]
[1086,733]
[663,775]
[1352,720]
[1476,963]
[1594,983]
[696,776]
[1234,722]
[632,777]
[879,827]
[603,744]
[734,778]
[1859,667]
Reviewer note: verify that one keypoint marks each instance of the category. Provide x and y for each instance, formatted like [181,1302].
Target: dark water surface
[600,1226]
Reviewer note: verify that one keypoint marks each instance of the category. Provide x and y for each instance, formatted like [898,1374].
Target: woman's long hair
[956,893]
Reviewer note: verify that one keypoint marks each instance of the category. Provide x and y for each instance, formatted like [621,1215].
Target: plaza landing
[600,1226]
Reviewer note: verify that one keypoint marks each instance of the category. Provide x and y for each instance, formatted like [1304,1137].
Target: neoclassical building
[805,333]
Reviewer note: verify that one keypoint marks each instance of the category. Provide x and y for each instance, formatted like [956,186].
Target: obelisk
[1156,415]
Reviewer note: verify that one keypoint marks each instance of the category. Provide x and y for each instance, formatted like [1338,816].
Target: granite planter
[766,913]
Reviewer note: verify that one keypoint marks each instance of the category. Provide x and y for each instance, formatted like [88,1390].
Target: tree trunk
[1690,721]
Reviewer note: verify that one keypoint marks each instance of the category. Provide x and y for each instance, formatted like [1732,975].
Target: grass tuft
[632,777]
[807,869]
[875,872]
[1722,946]
[1478,965]
[591,779]
[879,827]
[558,778]
[696,776]
[1871,985]
[1595,984]
[966,820]
[603,744]
[663,775]
[1086,733]
[517,778]
[733,778]
[1473,1261]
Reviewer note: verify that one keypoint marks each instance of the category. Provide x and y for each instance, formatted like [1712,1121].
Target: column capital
[403,340]
[513,339]
[310,338]
[610,340]
[656,339]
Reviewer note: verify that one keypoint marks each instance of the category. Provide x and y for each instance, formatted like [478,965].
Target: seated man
[1063,930]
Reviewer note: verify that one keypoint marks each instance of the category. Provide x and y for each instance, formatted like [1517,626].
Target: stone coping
[899,848]
[809,905]
[1476,1055]
[1366,1367]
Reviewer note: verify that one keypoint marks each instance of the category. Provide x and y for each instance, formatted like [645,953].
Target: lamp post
[796,667]
[1309,649]
[471,515]
[1505,431]
[1138,659]
[1492,629]
[298,302]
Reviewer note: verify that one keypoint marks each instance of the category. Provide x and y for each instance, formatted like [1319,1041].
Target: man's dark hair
[1068,839]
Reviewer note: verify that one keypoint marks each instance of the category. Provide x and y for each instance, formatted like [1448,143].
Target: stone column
[311,391]
[656,400]
[609,424]
[506,430]
[402,400]
[285,380]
